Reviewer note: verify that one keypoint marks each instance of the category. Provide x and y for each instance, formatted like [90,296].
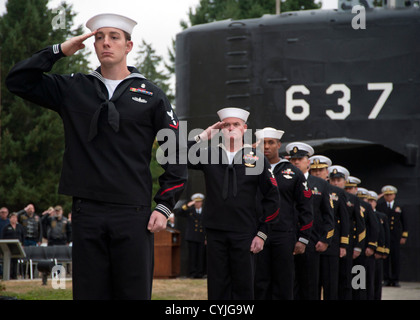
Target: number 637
[344,101]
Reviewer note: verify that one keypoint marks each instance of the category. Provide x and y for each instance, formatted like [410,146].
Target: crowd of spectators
[51,228]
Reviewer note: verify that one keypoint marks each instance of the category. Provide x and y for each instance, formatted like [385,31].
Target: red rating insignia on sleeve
[175,127]
[273,181]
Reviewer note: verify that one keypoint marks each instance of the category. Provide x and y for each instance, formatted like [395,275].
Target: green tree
[215,10]
[296,5]
[150,65]
[32,138]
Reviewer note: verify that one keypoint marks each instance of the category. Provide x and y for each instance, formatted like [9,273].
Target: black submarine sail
[352,93]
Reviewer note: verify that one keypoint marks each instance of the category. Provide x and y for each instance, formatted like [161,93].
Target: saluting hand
[71,46]
[211,131]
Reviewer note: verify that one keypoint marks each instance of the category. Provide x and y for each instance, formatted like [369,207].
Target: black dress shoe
[396,284]
[387,284]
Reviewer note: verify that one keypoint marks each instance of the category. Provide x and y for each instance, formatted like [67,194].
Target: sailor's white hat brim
[233,113]
[111,20]
[269,133]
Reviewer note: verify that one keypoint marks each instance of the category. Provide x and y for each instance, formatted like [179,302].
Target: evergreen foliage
[215,10]
[32,138]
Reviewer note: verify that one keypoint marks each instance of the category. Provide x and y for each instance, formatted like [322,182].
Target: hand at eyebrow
[71,46]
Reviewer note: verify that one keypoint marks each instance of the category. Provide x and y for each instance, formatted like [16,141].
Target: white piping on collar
[99,76]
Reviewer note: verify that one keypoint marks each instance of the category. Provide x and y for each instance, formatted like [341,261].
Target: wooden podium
[167,254]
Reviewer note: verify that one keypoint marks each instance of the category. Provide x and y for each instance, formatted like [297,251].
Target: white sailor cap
[320,162]
[111,20]
[338,172]
[197,197]
[299,150]
[362,192]
[233,113]
[372,195]
[269,133]
[389,190]
[353,181]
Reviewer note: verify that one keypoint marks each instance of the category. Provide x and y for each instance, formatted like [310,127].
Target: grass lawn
[171,289]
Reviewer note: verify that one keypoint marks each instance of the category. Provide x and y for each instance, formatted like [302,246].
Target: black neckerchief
[113,114]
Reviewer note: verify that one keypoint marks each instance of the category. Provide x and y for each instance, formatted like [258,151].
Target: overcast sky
[158,20]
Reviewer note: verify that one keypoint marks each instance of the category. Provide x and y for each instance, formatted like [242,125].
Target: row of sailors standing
[338,229]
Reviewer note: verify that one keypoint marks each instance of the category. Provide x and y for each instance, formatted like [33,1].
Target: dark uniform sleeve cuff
[163,210]
[303,240]
[58,53]
[372,245]
[262,235]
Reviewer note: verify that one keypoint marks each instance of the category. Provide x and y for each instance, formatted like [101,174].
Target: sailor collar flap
[134,74]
